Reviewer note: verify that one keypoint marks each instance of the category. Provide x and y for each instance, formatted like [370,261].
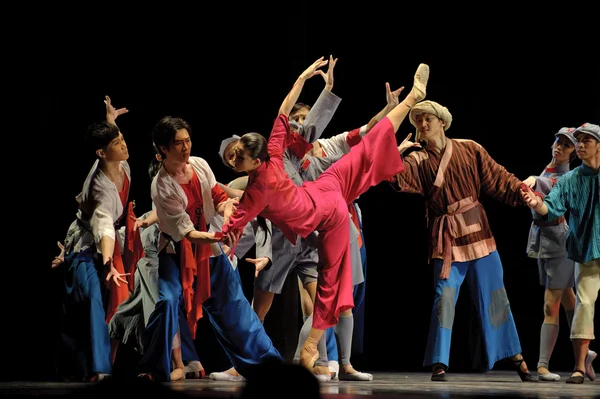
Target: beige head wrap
[433,108]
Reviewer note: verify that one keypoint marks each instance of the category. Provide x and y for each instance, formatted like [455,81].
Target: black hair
[100,134]
[165,130]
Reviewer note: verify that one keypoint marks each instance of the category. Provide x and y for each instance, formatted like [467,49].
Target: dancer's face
[300,115]
[229,154]
[116,150]
[429,126]
[239,158]
[588,147]
[179,150]
[562,149]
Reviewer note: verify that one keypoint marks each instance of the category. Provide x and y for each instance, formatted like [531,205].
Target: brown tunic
[458,225]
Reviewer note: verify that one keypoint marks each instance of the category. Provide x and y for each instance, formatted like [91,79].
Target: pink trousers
[368,163]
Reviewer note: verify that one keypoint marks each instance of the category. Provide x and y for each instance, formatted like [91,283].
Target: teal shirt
[578,192]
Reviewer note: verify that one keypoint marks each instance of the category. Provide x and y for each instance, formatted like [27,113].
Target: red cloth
[298,145]
[353,137]
[116,294]
[134,250]
[195,258]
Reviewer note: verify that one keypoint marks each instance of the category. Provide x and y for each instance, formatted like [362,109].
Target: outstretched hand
[111,112]
[313,69]
[58,260]
[260,264]
[328,77]
[230,239]
[530,181]
[406,144]
[114,274]
[140,224]
[532,200]
[392,96]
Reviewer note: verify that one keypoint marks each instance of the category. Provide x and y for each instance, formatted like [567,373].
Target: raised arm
[396,111]
[322,110]
[340,144]
[416,94]
[292,97]
[392,100]
[111,112]
[281,136]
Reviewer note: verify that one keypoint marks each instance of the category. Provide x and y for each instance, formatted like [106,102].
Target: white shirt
[171,202]
[100,207]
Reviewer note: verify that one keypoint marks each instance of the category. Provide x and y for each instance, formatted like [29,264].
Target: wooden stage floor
[495,384]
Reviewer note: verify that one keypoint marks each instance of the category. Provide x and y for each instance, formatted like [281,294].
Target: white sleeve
[335,146]
[170,209]
[104,207]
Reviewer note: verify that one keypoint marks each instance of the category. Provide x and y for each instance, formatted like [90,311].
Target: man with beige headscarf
[450,173]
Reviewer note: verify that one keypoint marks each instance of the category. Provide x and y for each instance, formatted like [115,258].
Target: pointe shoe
[306,359]
[194,370]
[419,88]
[178,375]
[322,373]
[589,370]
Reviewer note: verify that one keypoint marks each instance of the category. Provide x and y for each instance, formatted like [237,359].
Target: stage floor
[384,385]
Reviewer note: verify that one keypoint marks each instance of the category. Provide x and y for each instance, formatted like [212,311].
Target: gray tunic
[547,240]
[132,315]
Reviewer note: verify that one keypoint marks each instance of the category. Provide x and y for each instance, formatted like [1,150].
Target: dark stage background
[510,85]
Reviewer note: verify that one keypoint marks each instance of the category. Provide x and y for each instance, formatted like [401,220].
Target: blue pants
[238,329]
[188,348]
[84,334]
[485,280]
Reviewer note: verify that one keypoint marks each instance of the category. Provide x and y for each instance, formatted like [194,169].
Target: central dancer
[321,205]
